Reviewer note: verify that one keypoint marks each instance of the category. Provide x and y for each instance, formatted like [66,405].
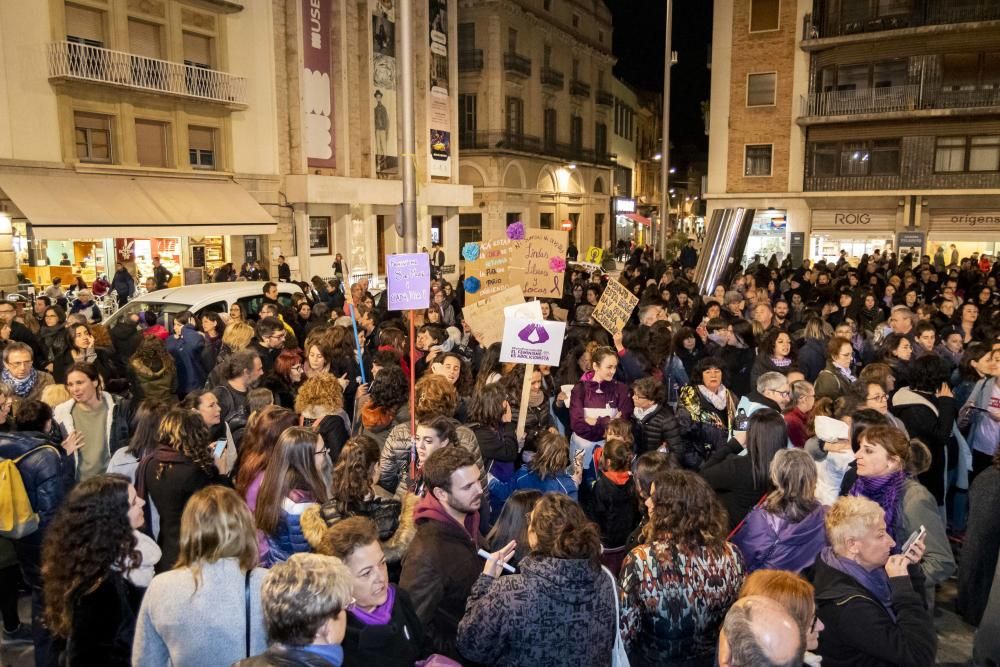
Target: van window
[251,306]
[285,300]
[217,307]
[164,312]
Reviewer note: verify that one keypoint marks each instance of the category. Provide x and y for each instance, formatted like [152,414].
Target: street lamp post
[407,157]
[665,161]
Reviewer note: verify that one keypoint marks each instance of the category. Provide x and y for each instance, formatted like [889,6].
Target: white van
[210,297]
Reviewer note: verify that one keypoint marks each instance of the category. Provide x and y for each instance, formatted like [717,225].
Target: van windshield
[164,312]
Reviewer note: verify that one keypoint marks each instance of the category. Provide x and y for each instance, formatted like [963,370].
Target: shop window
[761,89]
[201,147]
[764,15]
[152,141]
[984,153]
[758,160]
[84,25]
[145,39]
[949,154]
[824,160]
[885,157]
[93,137]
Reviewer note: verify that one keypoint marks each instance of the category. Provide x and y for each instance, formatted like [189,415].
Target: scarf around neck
[846,372]
[21,387]
[718,399]
[378,616]
[875,582]
[887,491]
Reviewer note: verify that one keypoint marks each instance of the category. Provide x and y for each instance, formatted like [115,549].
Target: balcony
[501,140]
[604,98]
[909,100]
[517,65]
[471,61]
[852,183]
[552,78]
[923,14]
[579,88]
[82,62]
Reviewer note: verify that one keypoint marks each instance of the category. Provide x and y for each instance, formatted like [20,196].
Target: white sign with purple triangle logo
[528,339]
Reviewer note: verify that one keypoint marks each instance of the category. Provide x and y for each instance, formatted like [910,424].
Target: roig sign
[851,218]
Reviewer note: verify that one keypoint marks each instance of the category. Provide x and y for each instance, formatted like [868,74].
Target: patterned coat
[555,612]
[673,602]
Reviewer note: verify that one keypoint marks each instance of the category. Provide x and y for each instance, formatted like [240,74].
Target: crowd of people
[779,472]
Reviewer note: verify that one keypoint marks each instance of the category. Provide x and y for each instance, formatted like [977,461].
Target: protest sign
[615,307]
[594,255]
[487,265]
[409,281]
[485,317]
[543,253]
[531,341]
[533,258]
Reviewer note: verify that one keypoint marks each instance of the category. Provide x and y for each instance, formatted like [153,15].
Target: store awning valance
[77,206]
[638,219]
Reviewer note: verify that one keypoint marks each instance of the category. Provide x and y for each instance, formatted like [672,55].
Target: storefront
[629,225]
[858,231]
[767,236]
[970,231]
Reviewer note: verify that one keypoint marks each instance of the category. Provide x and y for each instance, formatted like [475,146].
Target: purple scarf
[886,490]
[381,614]
[875,582]
[781,362]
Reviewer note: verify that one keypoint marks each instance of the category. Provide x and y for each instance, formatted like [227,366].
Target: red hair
[285,361]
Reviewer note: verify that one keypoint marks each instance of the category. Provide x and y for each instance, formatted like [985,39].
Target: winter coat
[730,473]
[170,486]
[282,655]
[795,423]
[981,549]
[673,601]
[125,338]
[118,426]
[53,342]
[103,624]
[289,537]
[396,644]
[89,310]
[394,464]
[831,383]
[600,395]
[987,644]
[812,358]
[613,506]
[42,381]
[158,385]
[526,478]
[859,630]
[377,425]
[773,542]
[704,428]
[111,372]
[393,520]
[186,352]
[124,284]
[656,429]
[763,364]
[508,621]
[930,419]
[439,570]
[335,429]
[498,447]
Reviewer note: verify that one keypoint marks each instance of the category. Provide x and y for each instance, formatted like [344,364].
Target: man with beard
[780,319]
[243,371]
[442,562]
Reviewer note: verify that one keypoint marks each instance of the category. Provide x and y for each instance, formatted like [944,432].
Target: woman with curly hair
[284,380]
[152,372]
[89,549]
[320,405]
[172,473]
[678,584]
[263,431]
[387,404]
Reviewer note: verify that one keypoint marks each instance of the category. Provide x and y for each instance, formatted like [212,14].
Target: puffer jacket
[289,538]
[394,464]
[394,536]
[769,541]
[931,419]
[160,385]
[597,395]
[377,425]
[186,352]
[655,429]
[704,429]
[508,620]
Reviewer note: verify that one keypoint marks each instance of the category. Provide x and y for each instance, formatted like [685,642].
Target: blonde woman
[179,621]
[320,406]
[235,338]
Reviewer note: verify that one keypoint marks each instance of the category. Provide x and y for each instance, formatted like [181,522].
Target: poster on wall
[439,100]
[384,87]
[319,235]
[317,83]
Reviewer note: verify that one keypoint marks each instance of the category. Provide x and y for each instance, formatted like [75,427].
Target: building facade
[535,111]
[856,125]
[132,129]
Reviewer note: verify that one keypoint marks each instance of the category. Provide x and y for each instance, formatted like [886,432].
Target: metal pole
[408,155]
[665,150]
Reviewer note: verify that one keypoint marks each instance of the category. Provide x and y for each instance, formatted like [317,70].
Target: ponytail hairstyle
[352,478]
[562,530]
[617,456]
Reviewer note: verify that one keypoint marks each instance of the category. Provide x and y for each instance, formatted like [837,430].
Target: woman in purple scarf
[382,627]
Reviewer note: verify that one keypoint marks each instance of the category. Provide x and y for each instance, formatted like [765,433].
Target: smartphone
[914,536]
[220,446]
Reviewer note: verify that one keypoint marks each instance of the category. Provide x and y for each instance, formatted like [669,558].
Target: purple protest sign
[409,281]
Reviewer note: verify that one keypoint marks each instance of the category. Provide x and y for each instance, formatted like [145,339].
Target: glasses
[322,452]
[297,368]
[812,626]
[879,398]
[277,336]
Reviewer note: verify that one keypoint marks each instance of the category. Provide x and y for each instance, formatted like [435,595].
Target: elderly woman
[785,532]
[677,585]
[705,413]
[320,404]
[86,305]
[871,611]
[835,380]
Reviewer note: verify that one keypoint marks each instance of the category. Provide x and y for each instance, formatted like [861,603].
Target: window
[959,71]
[600,80]
[576,69]
[547,56]
[151,143]
[576,132]
[984,154]
[548,5]
[600,140]
[144,39]
[949,154]
[545,221]
[84,25]
[198,50]
[201,147]
[470,228]
[764,15]
[515,116]
[93,137]
[885,157]
[824,160]
[511,40]
[853,77]
[576,20]
[549,128]
[512,217]
[758,160]
[599,229]
[957,154]
[893,7]
[466,37]
[761,89]
[319,235]
[854,157]
[890,73]
[467,117]
[600,36]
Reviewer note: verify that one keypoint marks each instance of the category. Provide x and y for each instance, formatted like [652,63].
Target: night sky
[638,45]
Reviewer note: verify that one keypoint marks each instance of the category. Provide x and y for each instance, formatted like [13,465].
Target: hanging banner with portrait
[439,97]
[384,120]
[317,83]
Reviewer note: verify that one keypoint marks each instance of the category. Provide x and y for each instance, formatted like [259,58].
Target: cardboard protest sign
[409,281]
[594,255]
[528,339]
[543,252]
[486,269]
[615,307]
[486,316]
[532,258]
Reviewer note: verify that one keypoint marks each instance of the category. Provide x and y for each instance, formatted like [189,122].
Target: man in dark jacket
[284,271]
[161,274]
[123,283]
[125,336]
[186,346]
[442,563]
[242,371]
[269,341]
[21,333]
[689,256]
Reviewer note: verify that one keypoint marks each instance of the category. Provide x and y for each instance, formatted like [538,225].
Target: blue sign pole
[357,344]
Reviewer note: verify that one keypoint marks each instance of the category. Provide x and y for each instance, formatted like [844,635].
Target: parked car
[210,297]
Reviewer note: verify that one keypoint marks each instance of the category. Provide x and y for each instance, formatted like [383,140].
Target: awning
[637,219]
[61,207]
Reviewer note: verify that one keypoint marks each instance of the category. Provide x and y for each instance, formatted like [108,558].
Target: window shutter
[198,49]
[144,39]
[151,144]
[85,23]
[201,138]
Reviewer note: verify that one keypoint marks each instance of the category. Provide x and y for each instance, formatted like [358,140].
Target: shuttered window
[758,160]
[93,137]
[201,147]
[466,37]
[197,49]
[760,89]
[984,154]
[950,154]
[144,39]
[84,23]
[151,143]
[764,15]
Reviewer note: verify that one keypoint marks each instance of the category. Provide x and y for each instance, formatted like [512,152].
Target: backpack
[17,517]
